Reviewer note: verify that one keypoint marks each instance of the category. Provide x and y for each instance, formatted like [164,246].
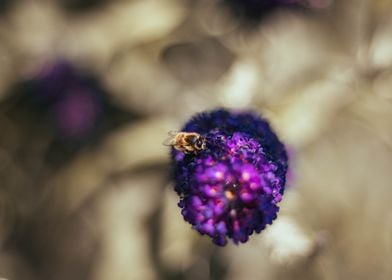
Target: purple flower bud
[231,188]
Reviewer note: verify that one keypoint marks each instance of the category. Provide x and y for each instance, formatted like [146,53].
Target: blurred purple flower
[73,100]
[255,10]
[231,188]
[65,104]
[77,113]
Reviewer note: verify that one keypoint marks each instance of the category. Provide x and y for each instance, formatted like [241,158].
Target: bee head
[199,143]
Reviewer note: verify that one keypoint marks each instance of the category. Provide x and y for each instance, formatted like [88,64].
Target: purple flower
[254,10]
[232,187]
[77,114]
[73,100]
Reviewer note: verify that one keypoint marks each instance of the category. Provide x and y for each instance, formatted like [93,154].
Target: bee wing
[173,133]
[169,141]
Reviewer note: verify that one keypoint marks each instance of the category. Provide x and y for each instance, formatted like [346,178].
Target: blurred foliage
[98,203]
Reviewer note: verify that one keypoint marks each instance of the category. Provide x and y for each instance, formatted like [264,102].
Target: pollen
[229,195]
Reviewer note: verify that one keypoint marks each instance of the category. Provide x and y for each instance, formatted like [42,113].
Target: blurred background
[90,88]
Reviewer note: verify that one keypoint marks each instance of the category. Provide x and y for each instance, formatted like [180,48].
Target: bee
[187,142]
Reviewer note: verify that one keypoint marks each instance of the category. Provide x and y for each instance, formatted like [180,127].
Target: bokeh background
[89,90]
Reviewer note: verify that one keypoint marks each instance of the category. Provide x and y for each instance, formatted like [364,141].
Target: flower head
[232,187]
